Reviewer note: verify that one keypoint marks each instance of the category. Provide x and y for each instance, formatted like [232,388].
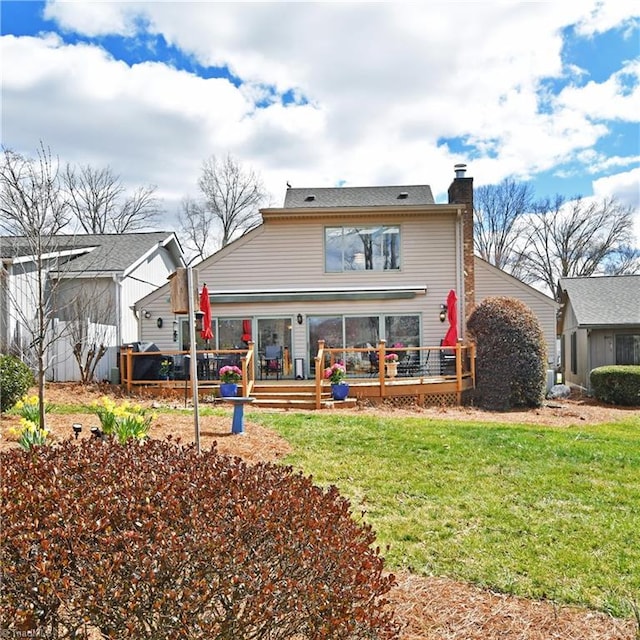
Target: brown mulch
[429,608]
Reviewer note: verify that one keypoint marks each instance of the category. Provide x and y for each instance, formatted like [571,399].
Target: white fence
[62,365]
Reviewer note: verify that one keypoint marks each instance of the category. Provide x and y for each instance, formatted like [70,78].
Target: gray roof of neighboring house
[106,252]
[334,197]
[604,300]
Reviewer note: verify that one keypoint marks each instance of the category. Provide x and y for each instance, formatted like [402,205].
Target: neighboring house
[491,281]
[94,277]
[349,266]
[599,324]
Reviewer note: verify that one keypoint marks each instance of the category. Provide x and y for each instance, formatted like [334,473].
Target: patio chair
[417,365]
[271,362]
[447,361]
[373,363]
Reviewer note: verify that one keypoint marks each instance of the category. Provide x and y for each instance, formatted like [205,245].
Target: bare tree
[233,195]
[624,261]
[32,207]
[90,330]
[99,203]
[498,222]
[577,239]
[197,229]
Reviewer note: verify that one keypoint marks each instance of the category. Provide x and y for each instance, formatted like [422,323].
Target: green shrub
[511,354]
[15,380]
[150,540]
[617,384]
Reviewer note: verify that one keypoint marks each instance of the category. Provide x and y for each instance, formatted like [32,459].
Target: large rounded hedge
[511,354]
[155,541]
[15,380]
[617,384]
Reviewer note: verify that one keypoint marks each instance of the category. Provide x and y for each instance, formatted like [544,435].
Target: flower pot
[228,389]
[339,390]
[392,369]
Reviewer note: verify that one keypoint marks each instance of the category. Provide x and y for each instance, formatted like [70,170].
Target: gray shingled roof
[297,198]
[109,252]
[604,300]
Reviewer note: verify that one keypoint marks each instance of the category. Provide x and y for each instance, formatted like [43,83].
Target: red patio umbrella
[451,336]
[205,307]
[246,330]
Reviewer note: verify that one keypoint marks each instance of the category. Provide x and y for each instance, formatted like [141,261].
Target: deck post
[129,367]
[319,373]
[472,358]
[382,353]
[459,371]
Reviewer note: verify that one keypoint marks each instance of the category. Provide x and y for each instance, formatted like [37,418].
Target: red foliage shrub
[511,356]
[154,541]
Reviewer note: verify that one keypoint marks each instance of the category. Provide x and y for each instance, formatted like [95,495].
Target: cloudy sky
[327,93]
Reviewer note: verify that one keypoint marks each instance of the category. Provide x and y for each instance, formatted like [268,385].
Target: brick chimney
[461,192]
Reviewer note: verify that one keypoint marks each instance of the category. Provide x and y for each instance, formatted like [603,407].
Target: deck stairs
[295,396]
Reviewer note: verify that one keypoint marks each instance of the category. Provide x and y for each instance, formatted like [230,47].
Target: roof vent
[310,198]
[403,195]
[460,170]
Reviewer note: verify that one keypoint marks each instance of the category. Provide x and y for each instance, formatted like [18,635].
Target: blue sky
[322,94]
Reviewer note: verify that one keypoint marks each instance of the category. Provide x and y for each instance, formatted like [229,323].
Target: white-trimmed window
[371,248]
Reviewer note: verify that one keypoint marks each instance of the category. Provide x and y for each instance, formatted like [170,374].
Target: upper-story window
[361,248]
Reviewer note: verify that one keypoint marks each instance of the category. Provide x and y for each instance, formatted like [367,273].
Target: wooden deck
[444,382]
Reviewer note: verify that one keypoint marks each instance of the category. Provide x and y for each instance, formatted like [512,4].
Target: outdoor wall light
[199,317]
[77,428]
[299,318]
[443,312]
[159,323]
[175,331]
[147,314]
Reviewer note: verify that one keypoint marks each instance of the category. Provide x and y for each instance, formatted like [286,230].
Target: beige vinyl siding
[146,277]
[569,326]
[289,254]
[491,281]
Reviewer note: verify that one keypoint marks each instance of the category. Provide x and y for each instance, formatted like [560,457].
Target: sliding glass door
[275,331]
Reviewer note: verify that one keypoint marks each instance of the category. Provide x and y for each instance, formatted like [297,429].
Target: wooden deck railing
[209,363]
[451,363]
[442,363]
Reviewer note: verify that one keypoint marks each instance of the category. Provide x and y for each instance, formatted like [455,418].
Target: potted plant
[165,369]
[391,363]
[336,374]
[230,375]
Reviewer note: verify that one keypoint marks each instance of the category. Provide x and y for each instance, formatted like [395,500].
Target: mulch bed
[429,608]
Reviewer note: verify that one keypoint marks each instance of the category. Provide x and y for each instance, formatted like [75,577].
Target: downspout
[588,371]
[118,282]
[460,274]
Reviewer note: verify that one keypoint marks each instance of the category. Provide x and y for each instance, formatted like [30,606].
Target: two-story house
[349,266]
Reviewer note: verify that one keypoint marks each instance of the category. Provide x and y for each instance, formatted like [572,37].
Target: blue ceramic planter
[339,391]
[228,389]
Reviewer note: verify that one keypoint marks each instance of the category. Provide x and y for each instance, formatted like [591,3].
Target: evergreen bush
[617,384]
[152,540]
[15,380]
[511,354]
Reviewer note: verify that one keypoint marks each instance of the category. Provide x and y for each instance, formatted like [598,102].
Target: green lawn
[536,511]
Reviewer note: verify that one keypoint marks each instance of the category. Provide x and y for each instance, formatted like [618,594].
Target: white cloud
[626,188]
[385,84]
